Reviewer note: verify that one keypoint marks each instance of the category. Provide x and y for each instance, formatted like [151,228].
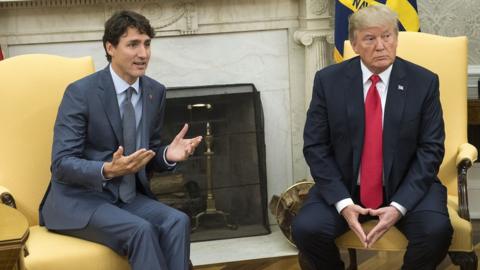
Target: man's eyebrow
[134,41]
[138,41]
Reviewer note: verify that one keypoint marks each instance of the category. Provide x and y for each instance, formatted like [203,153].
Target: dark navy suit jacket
[413,135]
[88,130]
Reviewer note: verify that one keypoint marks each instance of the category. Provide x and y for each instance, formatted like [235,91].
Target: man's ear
[353,41]
[354,47]
[110,48]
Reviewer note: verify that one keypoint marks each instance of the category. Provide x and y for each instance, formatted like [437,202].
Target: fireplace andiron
[211,208]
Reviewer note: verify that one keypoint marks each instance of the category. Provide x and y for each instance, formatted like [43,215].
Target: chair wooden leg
[352,254]
[466,260]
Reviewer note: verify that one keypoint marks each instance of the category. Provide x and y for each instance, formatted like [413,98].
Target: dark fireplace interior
[235,205]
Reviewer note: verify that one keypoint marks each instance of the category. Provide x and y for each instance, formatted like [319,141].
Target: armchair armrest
[467,154]
[6,197]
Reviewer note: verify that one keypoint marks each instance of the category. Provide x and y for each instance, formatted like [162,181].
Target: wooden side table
[13,235]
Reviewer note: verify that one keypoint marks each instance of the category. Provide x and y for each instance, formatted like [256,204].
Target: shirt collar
[366,73]
[121,85]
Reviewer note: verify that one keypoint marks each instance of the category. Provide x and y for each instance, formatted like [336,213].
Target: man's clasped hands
[387,217]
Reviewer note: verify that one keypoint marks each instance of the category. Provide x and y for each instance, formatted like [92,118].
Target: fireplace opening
[223,186]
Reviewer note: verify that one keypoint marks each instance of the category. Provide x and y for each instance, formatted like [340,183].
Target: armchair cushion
[54,251]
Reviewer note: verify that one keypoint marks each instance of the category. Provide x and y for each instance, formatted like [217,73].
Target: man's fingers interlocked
[387,217]
[357,228]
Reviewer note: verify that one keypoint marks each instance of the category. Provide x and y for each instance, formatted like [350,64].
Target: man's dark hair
[118,25]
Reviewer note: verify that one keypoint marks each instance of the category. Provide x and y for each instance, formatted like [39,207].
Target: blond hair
[372,16]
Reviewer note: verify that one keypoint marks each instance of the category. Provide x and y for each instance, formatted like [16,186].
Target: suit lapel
[394,107]
[147,111]
[108,96]
[353,95]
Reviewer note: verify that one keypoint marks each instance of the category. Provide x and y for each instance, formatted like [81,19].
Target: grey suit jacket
[88,130]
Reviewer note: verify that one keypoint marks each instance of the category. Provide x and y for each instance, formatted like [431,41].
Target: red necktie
[371,192]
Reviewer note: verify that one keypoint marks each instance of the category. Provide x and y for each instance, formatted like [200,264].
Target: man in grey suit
[106,138]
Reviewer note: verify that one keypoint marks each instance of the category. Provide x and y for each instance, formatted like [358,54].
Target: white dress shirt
[120,88]
[382,87]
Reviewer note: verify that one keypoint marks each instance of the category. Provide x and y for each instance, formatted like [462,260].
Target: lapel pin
[400,87]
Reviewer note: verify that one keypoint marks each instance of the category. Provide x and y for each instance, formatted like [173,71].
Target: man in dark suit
[106,137]
[374,141]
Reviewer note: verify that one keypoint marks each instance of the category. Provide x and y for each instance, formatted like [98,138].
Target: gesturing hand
[123,165]
[181,148]
[351,213]
[387,217]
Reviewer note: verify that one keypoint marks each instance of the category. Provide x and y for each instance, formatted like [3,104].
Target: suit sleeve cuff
[92,175]
[342,204]
[400,208]
[165,158]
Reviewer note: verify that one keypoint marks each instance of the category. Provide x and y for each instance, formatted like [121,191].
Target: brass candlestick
[211,208]
[209,155]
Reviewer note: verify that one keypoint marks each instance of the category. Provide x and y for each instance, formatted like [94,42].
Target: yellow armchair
[32,87]
[447,57]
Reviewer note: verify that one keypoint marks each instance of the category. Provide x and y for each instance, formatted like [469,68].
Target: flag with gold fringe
[405,9]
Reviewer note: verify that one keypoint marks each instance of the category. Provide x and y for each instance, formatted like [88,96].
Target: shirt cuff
[165,158]
[343,203]
[103,176]
[400,208]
